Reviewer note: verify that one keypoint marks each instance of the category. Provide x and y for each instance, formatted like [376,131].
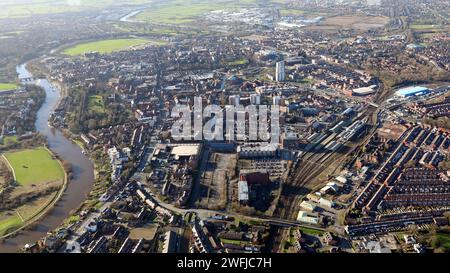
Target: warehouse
[412,91]
[364,91]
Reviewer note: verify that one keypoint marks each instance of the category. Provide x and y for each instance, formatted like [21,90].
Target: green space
[419,27]
[108,46]
[238,62]
[307,81]
[311,231]
[8,224]
[7,86]
[292,12]
[35,166]
[186,11]
[444,241]
[8,140]
[232,242]
[25,8]
[72,219]
[96,104]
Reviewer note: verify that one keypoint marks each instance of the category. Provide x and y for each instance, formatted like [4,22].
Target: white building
[307,206]
[234,100]
[305,218]
[280,72]
[326,202]
[243,191]
[255,99]
[276,100]
[257,150]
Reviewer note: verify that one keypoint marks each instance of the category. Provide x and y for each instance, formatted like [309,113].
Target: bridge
[374,105]
[27,80]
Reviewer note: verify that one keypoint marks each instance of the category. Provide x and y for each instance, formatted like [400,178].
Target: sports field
[7,86]
[34,166]
[107,46]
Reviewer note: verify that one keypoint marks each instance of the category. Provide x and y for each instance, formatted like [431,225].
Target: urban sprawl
[361,162]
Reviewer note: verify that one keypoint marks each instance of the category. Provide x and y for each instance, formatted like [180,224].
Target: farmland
[358,22]
[184,12]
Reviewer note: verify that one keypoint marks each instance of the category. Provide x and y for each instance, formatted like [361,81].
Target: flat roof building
[364,91]
[186,150]
[307,206]
[305,218]
[243,191]
[412,91]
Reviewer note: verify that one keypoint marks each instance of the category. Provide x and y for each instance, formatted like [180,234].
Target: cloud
[74,2]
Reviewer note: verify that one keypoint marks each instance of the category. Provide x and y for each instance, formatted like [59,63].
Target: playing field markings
[20,216]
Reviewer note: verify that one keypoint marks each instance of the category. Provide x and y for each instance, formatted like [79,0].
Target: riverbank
[82,175]
[40,212]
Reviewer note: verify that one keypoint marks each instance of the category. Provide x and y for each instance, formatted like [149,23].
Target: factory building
[412,91]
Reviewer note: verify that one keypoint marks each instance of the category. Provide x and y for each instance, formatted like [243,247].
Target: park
[38,182]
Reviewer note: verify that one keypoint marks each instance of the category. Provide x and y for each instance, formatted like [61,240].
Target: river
[83,171]
[127,17]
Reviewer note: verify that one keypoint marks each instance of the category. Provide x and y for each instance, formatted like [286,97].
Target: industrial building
[169,242]
[304,217]
[412,91]
[364,91]
[257,150]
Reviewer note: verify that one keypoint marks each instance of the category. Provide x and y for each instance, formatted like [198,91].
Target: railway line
[321,154]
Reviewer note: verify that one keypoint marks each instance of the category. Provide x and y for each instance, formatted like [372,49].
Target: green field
[96,104]
[232,242]
[7,86]
[311,231]
[35,166]
[23,8]
[8,139]
[238,62]
[444,239]
[8,224]
[176,12]
[107,46]
[419,27]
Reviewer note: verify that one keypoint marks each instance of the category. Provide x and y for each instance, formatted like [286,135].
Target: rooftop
[411,90]
[186,150]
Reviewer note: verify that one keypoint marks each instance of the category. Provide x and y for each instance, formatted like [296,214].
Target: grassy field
[7,224]
[311,231]
[177,12]
[444,239]
[96,104]
[238,62]
[35,166]
[357,22]
[23,8]
[8,139]
[419,27]
[7,86]
[108,46]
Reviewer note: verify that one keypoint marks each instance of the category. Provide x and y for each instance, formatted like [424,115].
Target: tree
[435,243]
